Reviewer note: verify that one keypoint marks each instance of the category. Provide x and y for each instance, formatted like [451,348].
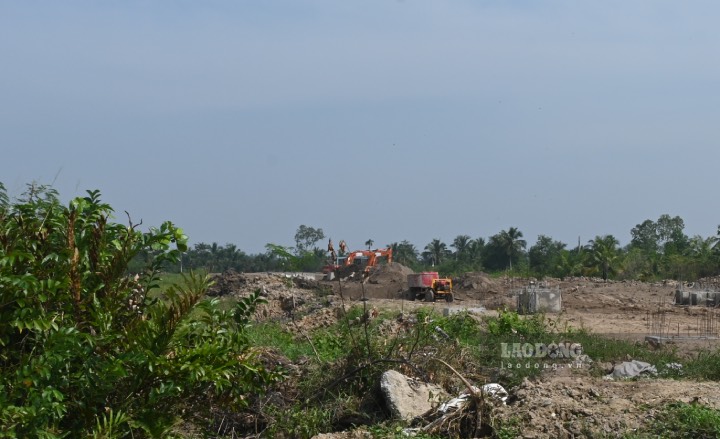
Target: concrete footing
[531,301]
[701,298]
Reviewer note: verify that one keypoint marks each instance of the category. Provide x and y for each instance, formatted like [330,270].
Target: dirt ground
[563,403]
[564,406]
[624,310]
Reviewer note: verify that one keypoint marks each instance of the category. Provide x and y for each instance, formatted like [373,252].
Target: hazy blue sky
[390,120]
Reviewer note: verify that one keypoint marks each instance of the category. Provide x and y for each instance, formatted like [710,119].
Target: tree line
[659,249]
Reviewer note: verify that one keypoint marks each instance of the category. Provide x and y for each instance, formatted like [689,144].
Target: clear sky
[390,120]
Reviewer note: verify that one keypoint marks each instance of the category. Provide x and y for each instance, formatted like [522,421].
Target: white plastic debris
[496,390]
[631,369]
[493,389]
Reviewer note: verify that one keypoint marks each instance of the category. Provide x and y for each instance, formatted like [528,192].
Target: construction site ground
[562,402]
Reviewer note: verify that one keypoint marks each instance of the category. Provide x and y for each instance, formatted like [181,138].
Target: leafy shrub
[462,326]
[85,351]
[509,322]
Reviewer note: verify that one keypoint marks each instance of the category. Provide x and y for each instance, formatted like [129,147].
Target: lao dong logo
[541,350]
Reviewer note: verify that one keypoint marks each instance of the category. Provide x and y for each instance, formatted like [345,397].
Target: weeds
[705,366]
[684,421]
[299,421]
[508,322]
[508,429]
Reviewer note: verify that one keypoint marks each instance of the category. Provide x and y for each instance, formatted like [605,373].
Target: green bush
[85,350]
[510,323]
[461,326]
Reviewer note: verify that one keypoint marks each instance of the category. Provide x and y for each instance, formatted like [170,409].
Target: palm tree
[604,253]
[569,263]
[369,243]
[404,253]
[703,252]
[461,244]
[702,248]
[476,251]
[435,252]
[511,243]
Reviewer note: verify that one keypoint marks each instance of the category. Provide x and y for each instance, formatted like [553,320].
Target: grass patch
[272,334]
[300,421]
[706,365]
[509,429]
[683,421]
[329,343]
[602,349]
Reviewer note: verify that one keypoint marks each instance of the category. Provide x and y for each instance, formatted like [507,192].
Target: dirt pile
[272,285]
[564,407]
[386,281]
[288,296]
[349,273]
[710,283]
[229,283]
[385,274]
[322,318]
[477,282]
[478,286]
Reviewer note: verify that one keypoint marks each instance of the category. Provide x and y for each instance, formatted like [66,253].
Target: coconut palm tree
[702,251]
[604,253]
[435,252]
[461,244]
[511,242]
[404,252]
[476,252]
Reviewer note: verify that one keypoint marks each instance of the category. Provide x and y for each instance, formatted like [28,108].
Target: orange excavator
[365,259]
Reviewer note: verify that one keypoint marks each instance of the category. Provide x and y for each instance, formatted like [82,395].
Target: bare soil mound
[477,282]
[288,296]
[273,285]
[582,406]
[387,281]
[229,283]
[394,273]
[710,283]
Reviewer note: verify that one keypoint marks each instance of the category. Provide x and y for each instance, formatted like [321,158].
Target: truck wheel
[429,296]
[449,297]
[410,295]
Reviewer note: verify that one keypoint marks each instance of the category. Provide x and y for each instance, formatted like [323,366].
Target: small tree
[545,254]
[369,243]
[306,238]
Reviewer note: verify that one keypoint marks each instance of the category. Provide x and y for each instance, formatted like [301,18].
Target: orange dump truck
[429,286]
